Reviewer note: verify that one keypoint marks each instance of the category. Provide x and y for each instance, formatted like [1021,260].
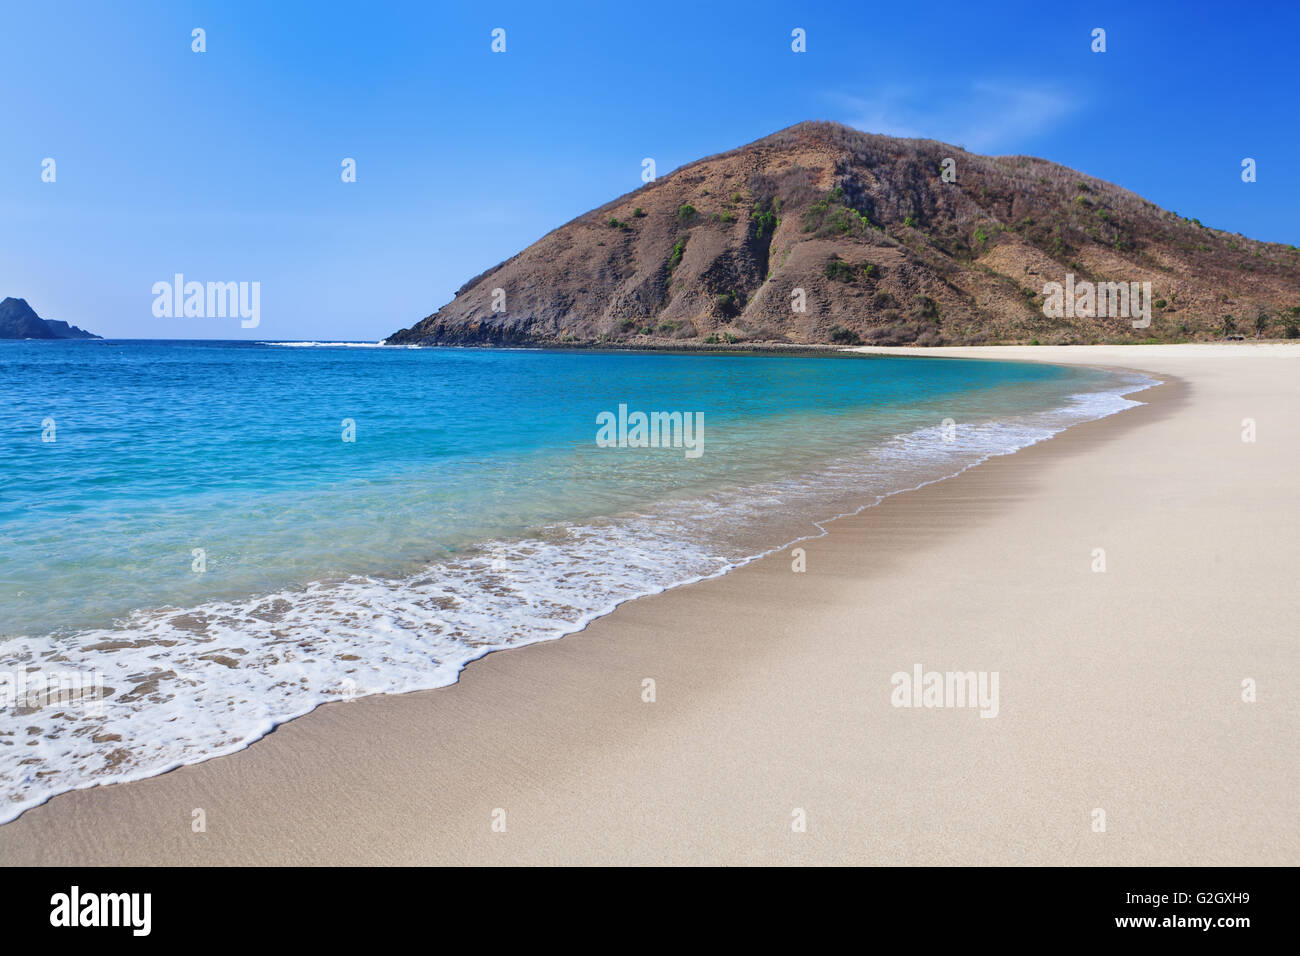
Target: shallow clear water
[474,510]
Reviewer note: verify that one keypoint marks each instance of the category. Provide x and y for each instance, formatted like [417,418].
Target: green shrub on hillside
[676,256]
[838,270]
[764,218]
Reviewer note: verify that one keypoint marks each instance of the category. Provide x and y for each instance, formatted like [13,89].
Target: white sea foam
[325,345]
[183,685]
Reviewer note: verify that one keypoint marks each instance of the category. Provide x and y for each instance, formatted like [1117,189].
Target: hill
[19,321]
[885,250]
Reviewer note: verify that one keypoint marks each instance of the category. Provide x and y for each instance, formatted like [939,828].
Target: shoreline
[809,499]
[767,535]
[338,747]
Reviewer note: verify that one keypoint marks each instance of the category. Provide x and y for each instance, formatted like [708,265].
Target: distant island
[18,320]
[825,234]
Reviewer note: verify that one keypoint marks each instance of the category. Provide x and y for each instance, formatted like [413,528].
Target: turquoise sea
[224,535]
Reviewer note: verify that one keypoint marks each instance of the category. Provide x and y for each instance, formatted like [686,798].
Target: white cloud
[987,117]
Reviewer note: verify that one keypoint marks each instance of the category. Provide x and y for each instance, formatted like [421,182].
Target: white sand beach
[1118,691]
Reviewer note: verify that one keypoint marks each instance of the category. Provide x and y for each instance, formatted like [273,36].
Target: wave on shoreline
[184,685]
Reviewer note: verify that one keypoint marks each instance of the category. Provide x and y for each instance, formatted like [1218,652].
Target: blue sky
[225,165]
